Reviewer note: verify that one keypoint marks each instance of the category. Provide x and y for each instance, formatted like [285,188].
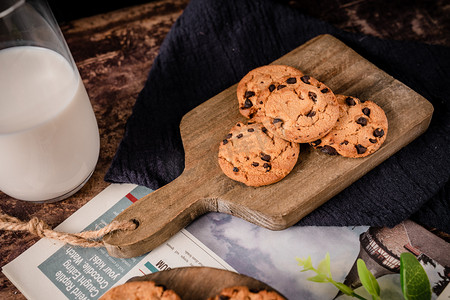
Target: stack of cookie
[149,290]
[286,108]
[244,293]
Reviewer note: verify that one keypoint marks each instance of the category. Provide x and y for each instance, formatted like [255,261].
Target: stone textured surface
[114,52]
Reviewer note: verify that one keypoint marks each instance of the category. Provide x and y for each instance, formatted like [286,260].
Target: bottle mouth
[7,7]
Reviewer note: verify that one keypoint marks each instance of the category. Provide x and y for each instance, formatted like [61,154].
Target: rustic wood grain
[193,283]
[202,187]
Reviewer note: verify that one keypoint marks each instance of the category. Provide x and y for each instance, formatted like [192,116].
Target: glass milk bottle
[49,140]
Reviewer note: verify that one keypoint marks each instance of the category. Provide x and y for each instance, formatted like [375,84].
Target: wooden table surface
[114,52]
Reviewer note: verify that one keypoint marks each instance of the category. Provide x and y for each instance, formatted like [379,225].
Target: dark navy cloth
[214,43]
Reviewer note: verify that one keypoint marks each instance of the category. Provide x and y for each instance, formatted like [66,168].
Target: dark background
[418,20]
[65,11]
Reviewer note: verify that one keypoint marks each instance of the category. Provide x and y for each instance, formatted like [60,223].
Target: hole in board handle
[136,222]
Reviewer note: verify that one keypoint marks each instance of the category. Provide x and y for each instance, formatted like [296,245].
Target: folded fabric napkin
[215,43]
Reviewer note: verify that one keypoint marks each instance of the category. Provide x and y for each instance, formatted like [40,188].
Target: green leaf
[414,279]
[368,280]
[300,261]
[343,288]
[306,263]
[324,266]
[319,278]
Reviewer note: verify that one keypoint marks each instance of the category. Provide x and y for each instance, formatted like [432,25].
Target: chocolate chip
[250,129]
[271,87]
[247,104]
[311,114]
[373,141]
[235,169]
[366,111]
[362,121]
[229,136]
[276,120]
[239,135]
[325,90]
[225,142]
[291,80]
[224,297]
[312,96]
[316,142]
[344,142]
[161,285]
[305,79]
[378,132]
[264,129]
[267,166]
[281,86]
[360,149]
[250,123]
[265,157]
[350,101]
[255,164]
[328,150]
[249,94]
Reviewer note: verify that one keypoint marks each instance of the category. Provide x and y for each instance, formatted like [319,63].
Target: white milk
[49,141]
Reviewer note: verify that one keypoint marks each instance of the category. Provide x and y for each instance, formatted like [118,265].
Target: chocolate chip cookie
[251,154]
[300,109]
[243,293]
[140,290]
[254,87]
[361,129]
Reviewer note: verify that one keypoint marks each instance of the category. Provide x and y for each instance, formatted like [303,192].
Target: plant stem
[358,296]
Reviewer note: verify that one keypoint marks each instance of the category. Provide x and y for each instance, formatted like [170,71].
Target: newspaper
[51,270]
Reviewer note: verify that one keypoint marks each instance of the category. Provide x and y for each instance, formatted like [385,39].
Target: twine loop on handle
[83,239]
[37,227]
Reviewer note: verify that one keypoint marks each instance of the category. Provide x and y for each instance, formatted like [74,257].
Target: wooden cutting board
[194,283]
[317,177]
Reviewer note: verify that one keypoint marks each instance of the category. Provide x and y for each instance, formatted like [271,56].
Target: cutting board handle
[159,216]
